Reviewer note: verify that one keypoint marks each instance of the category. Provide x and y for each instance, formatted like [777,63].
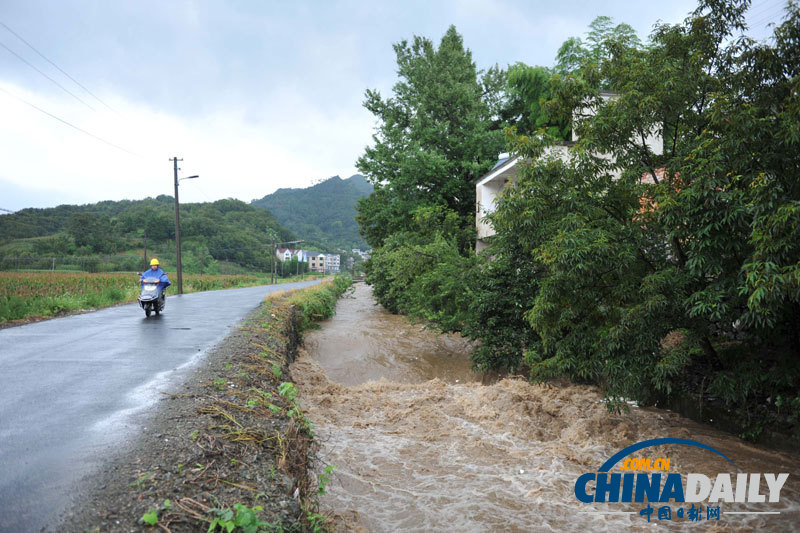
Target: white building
[284,254]
[332,262]
[287,254]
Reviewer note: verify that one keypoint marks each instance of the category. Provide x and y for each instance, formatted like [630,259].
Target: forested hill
[229,230]
[323,213]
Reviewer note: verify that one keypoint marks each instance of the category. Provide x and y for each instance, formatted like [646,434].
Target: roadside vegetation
[657,276]
[232,452]
[45,294]
[314,304]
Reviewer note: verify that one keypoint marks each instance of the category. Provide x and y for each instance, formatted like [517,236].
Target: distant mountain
[324,213]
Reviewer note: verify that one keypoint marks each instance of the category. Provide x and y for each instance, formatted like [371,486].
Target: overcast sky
[253,95]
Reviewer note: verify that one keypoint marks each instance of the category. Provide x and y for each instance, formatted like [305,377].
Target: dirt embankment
[230,437]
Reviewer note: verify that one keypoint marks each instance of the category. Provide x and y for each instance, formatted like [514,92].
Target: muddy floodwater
[421,444]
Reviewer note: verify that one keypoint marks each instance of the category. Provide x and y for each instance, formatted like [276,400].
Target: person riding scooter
[163,281]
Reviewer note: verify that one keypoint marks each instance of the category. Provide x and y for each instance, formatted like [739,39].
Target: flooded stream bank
[421,445]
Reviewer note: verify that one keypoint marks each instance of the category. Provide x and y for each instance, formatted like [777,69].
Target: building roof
[500,160]
[500,168]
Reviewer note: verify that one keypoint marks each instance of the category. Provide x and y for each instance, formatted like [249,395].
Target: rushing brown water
[421,445]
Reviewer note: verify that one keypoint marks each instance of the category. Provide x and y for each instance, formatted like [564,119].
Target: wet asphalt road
[71,388]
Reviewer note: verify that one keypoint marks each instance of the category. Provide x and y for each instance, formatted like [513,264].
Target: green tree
[293,267]
[95,233]
[227,229]
[659,270]
[503,287]
[58,244]
[420,271]
[434,139]
[575,53]
[199,261]
[528,87]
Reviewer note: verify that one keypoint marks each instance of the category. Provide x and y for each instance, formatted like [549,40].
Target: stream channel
[421,443]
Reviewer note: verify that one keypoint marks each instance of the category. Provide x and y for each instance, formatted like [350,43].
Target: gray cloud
[288,77]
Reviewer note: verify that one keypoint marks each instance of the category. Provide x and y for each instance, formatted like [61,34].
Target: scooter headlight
[150,289]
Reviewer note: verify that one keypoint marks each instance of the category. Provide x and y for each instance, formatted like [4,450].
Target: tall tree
[656,270]
[435,137]
[528,88]
[576,53]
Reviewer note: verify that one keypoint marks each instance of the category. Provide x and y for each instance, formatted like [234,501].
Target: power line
[754,10]
[69,124]
[194,185]
[45,75]
[59,68]
[768,18]
[768,13]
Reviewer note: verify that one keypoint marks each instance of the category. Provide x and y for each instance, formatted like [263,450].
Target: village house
[316,261]
[284,254]
[287,254]
[300,255]
[332,263]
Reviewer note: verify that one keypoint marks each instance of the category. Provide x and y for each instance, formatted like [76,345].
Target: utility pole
[145,251]
[178,224]
[178,228]
[272,264]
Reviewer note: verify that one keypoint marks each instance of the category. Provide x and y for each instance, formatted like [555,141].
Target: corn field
[26,294]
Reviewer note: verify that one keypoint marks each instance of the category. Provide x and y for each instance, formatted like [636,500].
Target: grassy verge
[32,294]
[314,304]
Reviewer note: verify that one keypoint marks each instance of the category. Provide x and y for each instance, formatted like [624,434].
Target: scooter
[153,297]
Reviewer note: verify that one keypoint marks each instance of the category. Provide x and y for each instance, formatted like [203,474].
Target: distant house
[287,254]
[332,263]
[300,255]
[505,174]
[284,254]
[316,261]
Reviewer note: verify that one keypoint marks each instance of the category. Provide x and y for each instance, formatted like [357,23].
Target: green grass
[15,307]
